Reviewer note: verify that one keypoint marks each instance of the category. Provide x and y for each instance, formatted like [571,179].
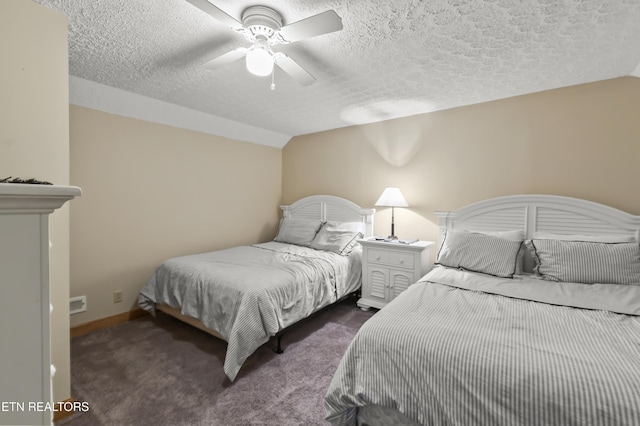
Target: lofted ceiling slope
[392,59]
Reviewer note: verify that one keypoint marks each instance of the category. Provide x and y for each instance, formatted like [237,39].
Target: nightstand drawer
[391,258]
[406,260]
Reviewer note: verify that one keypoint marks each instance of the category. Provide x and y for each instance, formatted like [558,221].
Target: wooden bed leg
[279,350]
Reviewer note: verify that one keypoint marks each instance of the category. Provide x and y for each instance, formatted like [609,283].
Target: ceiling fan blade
[294,69]
[322,23]
[216,13]
[227,58]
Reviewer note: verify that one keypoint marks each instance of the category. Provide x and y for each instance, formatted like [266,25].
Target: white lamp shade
[392,197]
[259,61]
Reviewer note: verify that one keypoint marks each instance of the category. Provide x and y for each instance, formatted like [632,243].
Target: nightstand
[389,268]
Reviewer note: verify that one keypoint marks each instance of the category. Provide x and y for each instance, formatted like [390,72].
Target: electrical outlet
[77,304]
[117,296]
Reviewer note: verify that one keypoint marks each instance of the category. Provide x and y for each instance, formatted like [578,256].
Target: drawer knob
[401,261]
[377,257]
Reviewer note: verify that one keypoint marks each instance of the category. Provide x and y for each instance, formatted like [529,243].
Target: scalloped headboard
[329,207]
[540,213]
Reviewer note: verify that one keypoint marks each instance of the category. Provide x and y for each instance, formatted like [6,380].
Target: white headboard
[540,213]
[329,207]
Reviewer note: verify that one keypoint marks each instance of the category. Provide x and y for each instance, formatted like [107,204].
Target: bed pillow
[603,238]
[297,231]
[338,237]
[512,234]
[478,252]
[586,262]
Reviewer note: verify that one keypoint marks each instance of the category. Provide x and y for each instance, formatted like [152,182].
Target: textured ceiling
[392,59]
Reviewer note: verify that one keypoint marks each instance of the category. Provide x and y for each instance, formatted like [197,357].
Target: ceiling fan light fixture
[259,60]
[262,27]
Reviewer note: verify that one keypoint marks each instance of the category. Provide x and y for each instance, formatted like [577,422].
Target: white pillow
[513,234]
[479,252]
[603,238]
[338,237]
[297,231]
[586,262]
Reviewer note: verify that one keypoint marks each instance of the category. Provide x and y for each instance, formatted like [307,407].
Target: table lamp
[392,197]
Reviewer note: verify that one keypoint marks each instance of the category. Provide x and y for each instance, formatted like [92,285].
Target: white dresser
[25,353]
[389,268]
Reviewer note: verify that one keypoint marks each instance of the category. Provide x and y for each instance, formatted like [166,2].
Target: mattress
[247,294]
[459,348]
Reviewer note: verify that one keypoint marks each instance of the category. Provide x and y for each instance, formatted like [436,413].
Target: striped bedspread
[445,353]
[249,293]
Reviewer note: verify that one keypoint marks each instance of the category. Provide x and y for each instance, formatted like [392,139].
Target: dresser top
[30,190]
[29,198]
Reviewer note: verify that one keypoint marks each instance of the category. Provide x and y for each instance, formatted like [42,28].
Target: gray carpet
[160,371]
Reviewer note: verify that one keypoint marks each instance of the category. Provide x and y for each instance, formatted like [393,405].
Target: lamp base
[392,237]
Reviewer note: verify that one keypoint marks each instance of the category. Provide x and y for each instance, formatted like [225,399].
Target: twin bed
[246,295]
[532,317]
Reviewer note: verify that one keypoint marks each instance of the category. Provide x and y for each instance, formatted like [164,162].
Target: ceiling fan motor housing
[261,22]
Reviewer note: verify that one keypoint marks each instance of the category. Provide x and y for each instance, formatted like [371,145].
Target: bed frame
[531,213]
[329,207]
[540,213]
[318,207]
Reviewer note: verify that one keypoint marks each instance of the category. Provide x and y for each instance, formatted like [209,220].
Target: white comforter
[453,350]
[249,293]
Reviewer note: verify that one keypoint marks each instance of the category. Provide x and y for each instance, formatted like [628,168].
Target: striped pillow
[297,231]
[338,237]
[586,262]
[479,253]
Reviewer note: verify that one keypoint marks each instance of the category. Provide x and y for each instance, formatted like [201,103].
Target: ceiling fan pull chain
[273,79]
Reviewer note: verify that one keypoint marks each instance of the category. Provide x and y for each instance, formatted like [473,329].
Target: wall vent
[77,304]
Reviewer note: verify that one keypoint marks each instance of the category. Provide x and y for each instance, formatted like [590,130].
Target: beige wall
[34,138]
[581,141]
[151,192]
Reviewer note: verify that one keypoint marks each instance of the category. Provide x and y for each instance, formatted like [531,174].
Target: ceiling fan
[262,26]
